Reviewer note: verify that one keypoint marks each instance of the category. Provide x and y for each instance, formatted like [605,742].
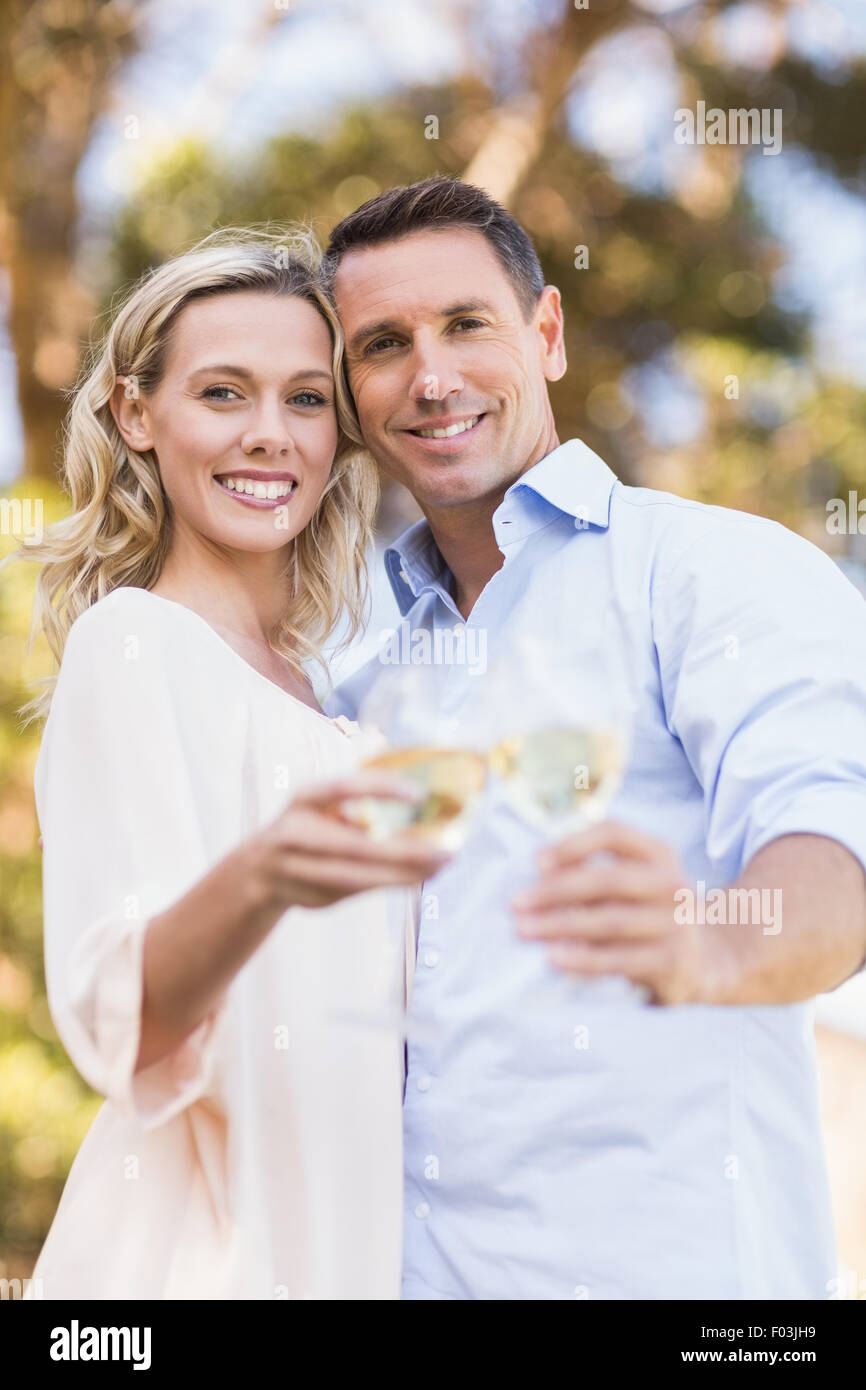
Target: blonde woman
[213,933]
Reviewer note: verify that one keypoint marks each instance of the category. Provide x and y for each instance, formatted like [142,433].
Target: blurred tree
[45,1107]
[675,294]
[57,58]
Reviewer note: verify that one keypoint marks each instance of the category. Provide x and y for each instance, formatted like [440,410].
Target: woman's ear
[131,414]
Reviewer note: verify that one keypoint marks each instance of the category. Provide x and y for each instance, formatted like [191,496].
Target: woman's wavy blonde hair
[119,530]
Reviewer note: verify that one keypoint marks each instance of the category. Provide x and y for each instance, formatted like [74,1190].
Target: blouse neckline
[339,721]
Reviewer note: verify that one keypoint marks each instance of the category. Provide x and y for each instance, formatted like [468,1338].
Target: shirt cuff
[840,814]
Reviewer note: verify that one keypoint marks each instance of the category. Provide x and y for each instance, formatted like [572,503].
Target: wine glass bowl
[560,777]
[450,782]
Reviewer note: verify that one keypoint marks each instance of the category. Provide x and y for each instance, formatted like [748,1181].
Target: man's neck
[467,541]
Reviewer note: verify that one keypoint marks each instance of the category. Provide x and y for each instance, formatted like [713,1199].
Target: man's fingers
[607,922]
[611,836]
[638,963]
[627,882]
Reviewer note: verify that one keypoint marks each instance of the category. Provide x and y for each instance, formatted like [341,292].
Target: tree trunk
[56,70]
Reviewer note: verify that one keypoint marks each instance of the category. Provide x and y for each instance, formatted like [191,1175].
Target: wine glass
[403,730]
[562,746]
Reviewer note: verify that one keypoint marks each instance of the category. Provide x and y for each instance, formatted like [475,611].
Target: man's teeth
[257,489]
[451,430]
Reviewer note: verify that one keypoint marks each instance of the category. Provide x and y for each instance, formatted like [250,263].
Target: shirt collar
[571,480]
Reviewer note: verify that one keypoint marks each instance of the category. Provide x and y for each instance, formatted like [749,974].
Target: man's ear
[550,326]
[131,414]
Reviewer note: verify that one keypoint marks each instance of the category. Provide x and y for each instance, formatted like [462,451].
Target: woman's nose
[268,431]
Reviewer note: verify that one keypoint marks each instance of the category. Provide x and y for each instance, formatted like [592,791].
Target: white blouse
[262,1159]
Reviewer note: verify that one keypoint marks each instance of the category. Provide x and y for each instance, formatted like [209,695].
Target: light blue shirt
[596,1146]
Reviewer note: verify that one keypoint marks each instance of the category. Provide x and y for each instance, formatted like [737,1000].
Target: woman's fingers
[319,879]
[371,783]
[324,837]
[319,855]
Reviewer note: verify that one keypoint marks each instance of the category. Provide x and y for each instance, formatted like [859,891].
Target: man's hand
[605,901]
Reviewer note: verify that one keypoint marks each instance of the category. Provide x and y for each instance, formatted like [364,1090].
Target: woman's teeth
[257,489]
[451,429]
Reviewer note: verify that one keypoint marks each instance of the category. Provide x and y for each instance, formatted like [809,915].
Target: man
[602,1146]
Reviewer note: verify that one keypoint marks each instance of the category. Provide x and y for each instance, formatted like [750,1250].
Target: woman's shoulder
[126,598]
[135,659]
[128,612]
[131,637]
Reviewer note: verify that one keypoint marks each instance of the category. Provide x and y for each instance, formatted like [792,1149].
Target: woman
[208,960]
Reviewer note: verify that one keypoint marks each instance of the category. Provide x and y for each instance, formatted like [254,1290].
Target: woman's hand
[313,855]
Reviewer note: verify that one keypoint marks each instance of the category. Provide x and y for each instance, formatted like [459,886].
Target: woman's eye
[308,398]
[218,393]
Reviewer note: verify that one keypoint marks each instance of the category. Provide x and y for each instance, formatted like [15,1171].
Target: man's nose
[433,376]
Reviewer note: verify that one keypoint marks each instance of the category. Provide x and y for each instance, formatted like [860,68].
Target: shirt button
[431,958]
[424,1083]
[422,1211]
[452,723]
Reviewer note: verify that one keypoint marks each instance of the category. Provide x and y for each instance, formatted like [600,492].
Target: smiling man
[605,1146]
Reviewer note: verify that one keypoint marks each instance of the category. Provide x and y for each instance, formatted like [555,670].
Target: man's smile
[448,435]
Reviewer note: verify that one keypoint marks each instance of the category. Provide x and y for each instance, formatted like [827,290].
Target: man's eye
[218,393]
[379,345]
[308,398]
[469,323]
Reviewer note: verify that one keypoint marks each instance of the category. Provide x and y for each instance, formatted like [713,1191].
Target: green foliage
[45,1108]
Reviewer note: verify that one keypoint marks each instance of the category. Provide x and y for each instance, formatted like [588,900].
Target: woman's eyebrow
[228,369]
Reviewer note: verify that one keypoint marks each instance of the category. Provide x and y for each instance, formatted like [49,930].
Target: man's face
[436,339]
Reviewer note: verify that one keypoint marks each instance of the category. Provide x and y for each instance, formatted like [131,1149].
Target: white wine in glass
[450,780]
[560,777]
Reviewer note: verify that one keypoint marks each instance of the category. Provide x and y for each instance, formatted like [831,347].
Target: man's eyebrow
[372,330]
[476,306]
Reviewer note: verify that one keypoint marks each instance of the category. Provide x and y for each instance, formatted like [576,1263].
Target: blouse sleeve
[135,792]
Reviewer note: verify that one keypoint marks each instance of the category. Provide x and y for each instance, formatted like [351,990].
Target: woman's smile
[257,488]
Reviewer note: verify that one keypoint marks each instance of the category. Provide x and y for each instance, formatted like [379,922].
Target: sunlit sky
[205,69]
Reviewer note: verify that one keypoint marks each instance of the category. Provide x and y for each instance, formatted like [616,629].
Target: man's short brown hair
[435,204]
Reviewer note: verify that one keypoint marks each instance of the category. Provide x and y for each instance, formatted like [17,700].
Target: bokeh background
[715,301]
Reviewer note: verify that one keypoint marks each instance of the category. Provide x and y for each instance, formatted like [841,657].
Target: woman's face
[243,422]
